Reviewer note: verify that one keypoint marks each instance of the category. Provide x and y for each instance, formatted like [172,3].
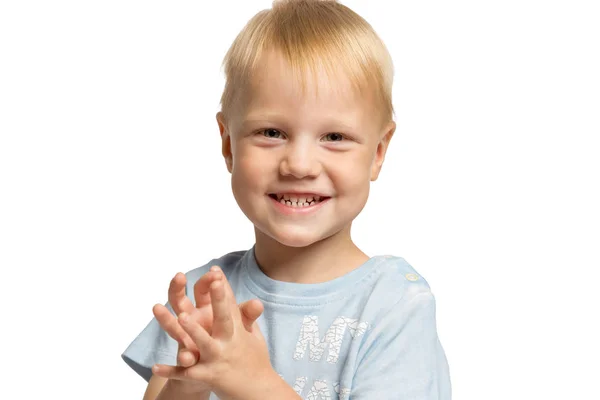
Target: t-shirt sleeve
[404,358]
[152,346]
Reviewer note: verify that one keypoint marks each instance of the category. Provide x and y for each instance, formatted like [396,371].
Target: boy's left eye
[334,137]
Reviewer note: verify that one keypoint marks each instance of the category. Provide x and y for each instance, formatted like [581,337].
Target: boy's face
[283,144]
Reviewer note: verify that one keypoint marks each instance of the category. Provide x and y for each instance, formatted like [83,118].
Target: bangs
[312,37]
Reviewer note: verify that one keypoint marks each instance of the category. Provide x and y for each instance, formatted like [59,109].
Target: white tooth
[285,196]
[310,199]
[294,204]
[317,198]
[302,200]
[294,199]
[282,201]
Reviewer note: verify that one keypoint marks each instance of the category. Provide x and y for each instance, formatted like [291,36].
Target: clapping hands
[220,343]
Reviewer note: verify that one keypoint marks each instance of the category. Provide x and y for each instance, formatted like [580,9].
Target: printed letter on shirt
[309,336]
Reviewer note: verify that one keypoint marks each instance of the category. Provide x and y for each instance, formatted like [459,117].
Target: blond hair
[311,34]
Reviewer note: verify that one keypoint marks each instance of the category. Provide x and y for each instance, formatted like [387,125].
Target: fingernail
[215,268]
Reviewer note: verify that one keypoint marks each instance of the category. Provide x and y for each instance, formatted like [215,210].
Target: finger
[230,296]
[222,310]
[257,332]
[168,371]
[202,287]
[251,310]
[169,323]
[201,338]
[177,298]
[199,372]
[186,358]
[228,288]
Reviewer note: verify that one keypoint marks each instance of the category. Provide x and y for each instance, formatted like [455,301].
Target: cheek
[250,171]
[351,175]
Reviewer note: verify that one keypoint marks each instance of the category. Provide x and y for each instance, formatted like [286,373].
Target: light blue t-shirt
[369,334]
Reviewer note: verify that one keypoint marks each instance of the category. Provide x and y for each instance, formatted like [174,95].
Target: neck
[319,262]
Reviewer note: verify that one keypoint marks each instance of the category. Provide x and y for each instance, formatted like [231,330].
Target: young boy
[305,125]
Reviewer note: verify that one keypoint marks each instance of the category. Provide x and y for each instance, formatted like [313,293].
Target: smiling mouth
[292,200]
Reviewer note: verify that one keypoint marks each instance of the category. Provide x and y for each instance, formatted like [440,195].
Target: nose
[300,161]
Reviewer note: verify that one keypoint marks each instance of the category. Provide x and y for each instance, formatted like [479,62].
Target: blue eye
[271,133]
[334,137]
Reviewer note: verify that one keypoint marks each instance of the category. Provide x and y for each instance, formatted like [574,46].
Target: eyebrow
[280,118]
[263,117]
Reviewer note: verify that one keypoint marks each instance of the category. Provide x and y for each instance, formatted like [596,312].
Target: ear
[225,141]
[382,147]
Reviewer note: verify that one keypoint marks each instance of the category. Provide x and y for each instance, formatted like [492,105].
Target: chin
[294,238]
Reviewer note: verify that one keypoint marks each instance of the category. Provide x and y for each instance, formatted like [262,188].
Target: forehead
[277,87]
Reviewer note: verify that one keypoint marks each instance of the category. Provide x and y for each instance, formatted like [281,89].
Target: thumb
[251,310]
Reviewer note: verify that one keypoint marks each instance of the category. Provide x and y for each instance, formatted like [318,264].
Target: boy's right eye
[271,133]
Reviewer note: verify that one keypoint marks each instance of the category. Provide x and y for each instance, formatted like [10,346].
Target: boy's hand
[232,354]
[201,313]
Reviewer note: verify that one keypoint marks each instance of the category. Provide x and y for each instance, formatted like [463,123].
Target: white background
[111,181]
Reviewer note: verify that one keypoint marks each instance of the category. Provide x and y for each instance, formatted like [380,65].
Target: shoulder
[397,281]
[400,297]
[399,272]
[401,336]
